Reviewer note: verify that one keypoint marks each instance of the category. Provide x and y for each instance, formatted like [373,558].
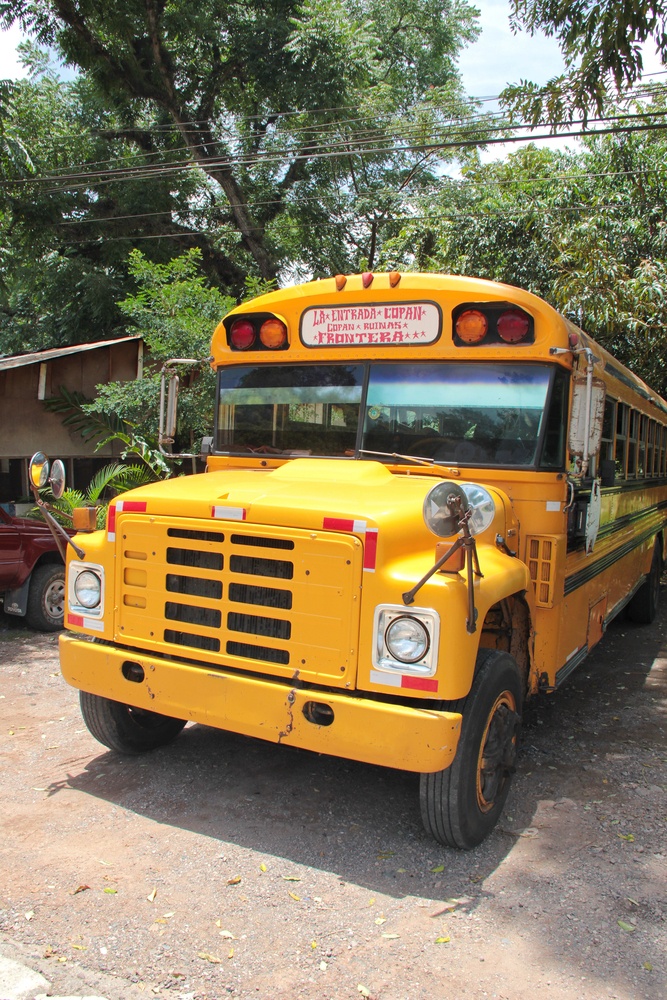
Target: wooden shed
[26,426]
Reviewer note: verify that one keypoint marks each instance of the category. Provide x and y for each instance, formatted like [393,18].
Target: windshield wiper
[417,459]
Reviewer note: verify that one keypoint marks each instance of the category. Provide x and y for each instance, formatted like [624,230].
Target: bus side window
[633,442]
[606,465]
[621,440]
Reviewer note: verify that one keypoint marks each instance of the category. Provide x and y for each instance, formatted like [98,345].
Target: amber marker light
[273,333]
[472,326]
[513,326]
[242,335]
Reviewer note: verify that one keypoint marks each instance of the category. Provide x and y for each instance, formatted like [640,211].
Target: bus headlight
[88,589]
[85,589]
[405,641]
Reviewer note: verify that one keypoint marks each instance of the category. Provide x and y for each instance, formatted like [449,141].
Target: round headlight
[407,639]
[88,589]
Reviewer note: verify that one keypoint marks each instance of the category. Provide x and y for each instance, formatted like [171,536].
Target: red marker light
[273,333]
[242,335]
[513,326]
[471,326]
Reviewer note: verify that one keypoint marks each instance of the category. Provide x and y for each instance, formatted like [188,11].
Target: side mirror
[586,418]
[42,472]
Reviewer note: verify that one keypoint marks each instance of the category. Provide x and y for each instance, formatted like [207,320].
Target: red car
[32,574]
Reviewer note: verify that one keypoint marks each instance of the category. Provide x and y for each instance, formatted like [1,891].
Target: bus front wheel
[124,728]
[461,804]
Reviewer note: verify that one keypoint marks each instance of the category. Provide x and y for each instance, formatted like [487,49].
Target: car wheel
[46,598]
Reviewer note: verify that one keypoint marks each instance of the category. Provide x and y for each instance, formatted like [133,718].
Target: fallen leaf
[365,992]
[380,920]
[29,915]
[313,945]
[80,947]
[443,940]
[647,966]
[625,926]
[438,868]
[80,888]
[294,896]
[208,958]
[39,789]
[626,836]
[151,895]
[323,966]
[112,892]
[262,867]
[401,871]
[160,920]
[529,832]
[234,881]
[291,878]
[231,953]
[227,935]
[391,937]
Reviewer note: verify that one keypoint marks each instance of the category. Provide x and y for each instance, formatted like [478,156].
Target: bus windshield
[467,414]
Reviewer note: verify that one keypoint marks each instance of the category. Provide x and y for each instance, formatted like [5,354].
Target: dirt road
[225,867]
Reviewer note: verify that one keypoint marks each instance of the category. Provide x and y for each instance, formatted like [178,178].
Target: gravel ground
[221,866]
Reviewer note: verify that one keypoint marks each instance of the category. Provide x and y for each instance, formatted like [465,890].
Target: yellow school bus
[425,498]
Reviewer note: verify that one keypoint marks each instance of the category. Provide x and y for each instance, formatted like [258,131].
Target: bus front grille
[254,598]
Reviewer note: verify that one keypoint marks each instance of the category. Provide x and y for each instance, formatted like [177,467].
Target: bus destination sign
[387,324]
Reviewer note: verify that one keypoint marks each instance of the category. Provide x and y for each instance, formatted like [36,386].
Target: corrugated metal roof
[21,360]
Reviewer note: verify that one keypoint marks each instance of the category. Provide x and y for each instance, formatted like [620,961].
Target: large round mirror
[57,479]
[39,470]
[443,506]
[483,507]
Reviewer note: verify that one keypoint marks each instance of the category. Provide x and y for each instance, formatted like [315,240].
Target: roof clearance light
[472,326]
[513,326]
[242,335]
[273,333]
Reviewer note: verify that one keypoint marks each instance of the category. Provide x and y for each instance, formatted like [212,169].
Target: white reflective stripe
[94,624]
[230,513]
[360,527]
[379,677]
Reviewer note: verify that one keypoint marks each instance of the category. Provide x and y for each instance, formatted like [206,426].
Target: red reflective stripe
[419,683]
[111,522]
[371,548]
[132,506]
[338,524]
[75,620]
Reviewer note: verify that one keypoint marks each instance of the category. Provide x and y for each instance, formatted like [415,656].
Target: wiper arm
[417,459]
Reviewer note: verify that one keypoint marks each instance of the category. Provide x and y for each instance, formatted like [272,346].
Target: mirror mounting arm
[61,538]
[467,542]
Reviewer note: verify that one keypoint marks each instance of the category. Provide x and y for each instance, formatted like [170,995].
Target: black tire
[461,805]
[46,598]
[124,728]
[644,605]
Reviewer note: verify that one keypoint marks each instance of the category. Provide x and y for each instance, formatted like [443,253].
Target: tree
[601,43]
[286,110]
[586,230]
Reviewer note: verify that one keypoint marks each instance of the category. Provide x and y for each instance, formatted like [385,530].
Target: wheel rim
[497,750]
[54,599]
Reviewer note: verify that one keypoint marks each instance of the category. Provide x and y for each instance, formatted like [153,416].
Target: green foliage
[601,43]
[102,426]
[274,137]
[106,484]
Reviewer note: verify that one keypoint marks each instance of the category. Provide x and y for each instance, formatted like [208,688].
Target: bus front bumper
[343,725]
